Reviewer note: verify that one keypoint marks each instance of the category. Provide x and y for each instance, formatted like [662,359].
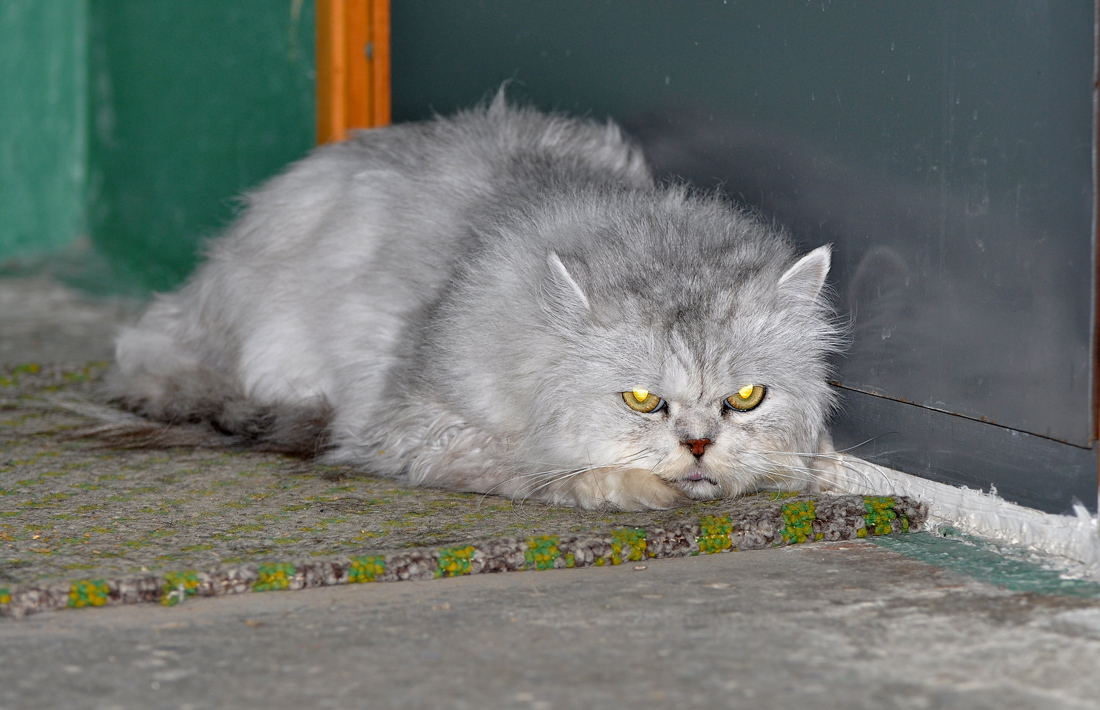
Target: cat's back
[486,148]
[330,263]
[414,192]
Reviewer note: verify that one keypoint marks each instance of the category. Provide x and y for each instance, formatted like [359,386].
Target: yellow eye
[748,397]
[641,400]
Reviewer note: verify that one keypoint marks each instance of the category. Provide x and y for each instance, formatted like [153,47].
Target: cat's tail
[201,409]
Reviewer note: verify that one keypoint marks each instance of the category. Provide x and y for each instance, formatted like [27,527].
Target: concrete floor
[847,625]
[835,625]
[42,321]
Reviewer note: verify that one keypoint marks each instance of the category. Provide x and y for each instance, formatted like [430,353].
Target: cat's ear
[807,277]
[566,282]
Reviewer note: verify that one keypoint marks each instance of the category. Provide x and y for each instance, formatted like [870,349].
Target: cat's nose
[697,446]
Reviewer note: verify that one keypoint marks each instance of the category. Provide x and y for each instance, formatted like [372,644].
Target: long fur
[204,412]
[461,303]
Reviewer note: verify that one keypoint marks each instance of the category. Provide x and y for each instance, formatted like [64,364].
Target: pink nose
[697,446]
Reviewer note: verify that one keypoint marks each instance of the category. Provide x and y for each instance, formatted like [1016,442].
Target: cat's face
[706,431]
[721,396]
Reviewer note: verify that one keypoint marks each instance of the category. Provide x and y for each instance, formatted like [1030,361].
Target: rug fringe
[1076,538]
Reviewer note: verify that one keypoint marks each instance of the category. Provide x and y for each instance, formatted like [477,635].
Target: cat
[501,301]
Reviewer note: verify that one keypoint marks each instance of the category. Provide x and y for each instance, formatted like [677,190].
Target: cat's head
[699,356]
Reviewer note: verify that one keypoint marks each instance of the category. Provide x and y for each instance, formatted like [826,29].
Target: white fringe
[1075,538]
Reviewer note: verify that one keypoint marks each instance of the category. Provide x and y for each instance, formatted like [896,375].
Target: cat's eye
[642,401]
[748,397]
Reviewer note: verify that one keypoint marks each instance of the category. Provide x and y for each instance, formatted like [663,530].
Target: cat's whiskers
[553,480]
[851,471]
[549,474]
[737,474]
[846,468]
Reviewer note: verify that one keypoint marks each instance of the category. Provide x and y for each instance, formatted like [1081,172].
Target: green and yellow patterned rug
[81,525]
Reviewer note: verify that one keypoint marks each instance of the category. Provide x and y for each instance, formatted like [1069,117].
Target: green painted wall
[191,103]
[140,122]
[42,115]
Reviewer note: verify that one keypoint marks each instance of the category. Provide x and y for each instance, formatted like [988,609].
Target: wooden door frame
[353,66]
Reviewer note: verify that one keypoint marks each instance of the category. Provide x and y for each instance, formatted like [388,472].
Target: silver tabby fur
[461,303]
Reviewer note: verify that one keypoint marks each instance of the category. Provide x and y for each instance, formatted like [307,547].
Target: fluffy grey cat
[501,301]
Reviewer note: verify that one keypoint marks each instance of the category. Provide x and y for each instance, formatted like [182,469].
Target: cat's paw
[625,489]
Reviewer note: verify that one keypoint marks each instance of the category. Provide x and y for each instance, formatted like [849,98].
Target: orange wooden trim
[357,20]
[330,70]
[380,35]
[353,66]
[380,82]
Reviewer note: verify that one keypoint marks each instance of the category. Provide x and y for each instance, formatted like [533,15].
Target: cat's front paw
[625,489]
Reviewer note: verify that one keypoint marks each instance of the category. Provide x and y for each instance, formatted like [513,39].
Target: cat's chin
[699,488]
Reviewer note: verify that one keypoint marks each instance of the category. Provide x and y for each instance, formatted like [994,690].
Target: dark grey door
[944,148]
